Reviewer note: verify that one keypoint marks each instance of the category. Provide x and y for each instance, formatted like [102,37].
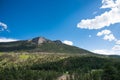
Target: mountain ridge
[40,44]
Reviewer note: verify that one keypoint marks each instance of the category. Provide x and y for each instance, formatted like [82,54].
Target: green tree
[109,72]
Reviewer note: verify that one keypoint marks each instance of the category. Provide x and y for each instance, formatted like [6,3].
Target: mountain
[25,66]
[40,44]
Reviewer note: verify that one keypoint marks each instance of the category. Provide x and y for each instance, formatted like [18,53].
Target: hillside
[40,44]
[27,66]
[44,59]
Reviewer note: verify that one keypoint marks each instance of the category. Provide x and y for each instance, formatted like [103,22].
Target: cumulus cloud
[106,19]
[103,32]
[7,40]
[68,42]
[107,35]
[110,3]
[106,52]
[3,26]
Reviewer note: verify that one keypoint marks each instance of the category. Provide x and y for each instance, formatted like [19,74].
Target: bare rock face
[39,40]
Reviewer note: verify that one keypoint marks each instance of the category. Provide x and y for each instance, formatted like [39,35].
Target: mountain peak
[40,44]
[40,40]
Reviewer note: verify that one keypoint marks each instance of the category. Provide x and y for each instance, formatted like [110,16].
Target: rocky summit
[40,40]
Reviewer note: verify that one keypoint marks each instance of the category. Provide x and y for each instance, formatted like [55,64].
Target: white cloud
[108,4]
[106,52]
[118,42]
[106,19]
[7,40]
[109,37]
[116,48]
[68,42]
[3,25]
[103,32]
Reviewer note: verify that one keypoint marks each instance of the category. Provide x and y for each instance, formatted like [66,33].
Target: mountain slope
[54,66]
[25,66]
[40,44]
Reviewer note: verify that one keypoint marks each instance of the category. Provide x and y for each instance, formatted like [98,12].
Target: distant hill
[114,56]
[40,44]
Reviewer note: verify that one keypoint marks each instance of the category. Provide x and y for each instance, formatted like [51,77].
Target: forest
[58,66]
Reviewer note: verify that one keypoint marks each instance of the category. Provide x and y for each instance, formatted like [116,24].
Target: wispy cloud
[116,48]
[118,42]
[7,39]
[106,52]
[3,26]
[68,42]
[105,19]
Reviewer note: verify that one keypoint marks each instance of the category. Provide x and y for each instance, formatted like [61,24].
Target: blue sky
[89,24]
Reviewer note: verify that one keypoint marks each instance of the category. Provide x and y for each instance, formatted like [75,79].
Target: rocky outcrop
[40,40]
[64,77]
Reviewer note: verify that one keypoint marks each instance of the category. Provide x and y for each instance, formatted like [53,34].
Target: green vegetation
[43,59]
[49,66]
[31,47]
